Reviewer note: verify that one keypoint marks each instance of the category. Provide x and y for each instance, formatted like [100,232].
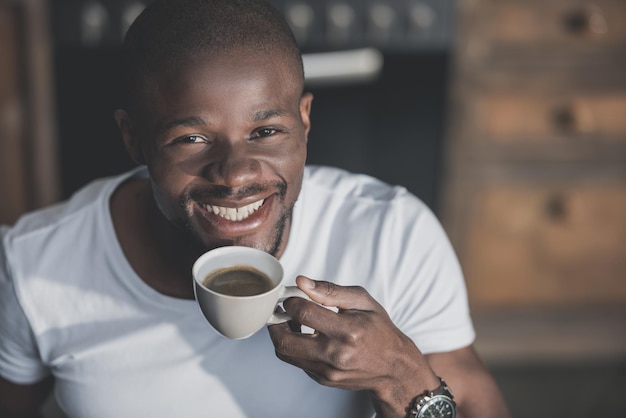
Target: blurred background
[507,117]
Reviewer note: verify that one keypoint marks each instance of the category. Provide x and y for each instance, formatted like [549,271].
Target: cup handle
[288,292]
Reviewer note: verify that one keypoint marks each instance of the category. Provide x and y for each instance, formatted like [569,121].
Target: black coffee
[238,281]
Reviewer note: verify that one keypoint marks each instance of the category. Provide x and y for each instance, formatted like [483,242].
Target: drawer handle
[556,207]
[585,21]
[564,118]
[575,117]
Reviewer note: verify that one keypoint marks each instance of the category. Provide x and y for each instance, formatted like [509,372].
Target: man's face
[224,140]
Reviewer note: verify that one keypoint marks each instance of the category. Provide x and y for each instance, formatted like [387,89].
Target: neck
[160,254]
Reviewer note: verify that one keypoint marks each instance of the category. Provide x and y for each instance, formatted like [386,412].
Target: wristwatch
[438,403]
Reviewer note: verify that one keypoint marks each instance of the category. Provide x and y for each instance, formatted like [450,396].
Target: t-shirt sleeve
[429,296]
[19,357]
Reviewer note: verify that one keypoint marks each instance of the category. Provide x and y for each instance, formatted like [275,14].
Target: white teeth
[235,214]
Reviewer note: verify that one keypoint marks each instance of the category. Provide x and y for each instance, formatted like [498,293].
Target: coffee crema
[238,281]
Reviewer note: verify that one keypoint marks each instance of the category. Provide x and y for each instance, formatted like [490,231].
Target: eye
[192,139]
[265,132]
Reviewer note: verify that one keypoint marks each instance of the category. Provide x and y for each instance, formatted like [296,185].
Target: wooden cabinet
[535,180]
[28,149]
[547,244]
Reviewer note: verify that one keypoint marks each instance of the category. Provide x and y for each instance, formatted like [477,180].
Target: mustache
[222,192]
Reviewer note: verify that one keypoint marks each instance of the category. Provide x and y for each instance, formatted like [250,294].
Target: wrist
[394,398]
[436,403]
[408,374]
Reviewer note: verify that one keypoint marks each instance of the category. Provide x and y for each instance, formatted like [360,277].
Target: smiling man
[96,292]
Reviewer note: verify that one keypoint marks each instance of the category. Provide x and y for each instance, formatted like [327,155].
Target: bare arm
[473,387]
[23,401]
[359,348]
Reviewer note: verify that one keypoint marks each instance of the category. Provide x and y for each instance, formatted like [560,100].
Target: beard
[271,244]
[279,232]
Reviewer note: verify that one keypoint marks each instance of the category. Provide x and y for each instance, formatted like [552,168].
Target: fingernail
[307,283]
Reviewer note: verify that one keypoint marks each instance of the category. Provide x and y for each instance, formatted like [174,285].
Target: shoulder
[332,190]
[360,214]
[41,238]
[89,199]
[357,214]
[339,183]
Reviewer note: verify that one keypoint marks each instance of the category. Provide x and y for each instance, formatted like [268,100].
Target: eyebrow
[193,121]
[185,122]
[262,115]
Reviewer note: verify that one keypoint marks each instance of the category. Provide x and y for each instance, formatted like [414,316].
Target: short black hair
[168,31]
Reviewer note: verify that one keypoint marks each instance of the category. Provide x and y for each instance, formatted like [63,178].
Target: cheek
[168,185]
[173,169]
[294,166]
[294,176]
[289,165]
[293,155]
[164,196]
[178,161]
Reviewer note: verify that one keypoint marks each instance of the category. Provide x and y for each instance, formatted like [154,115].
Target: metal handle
[556,207]
[564,118]
[342,67]
[589,20]
[576,117]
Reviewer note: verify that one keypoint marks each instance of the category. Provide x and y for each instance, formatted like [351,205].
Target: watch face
[438,407]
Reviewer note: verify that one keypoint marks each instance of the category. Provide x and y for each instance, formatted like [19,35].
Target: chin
[269,247]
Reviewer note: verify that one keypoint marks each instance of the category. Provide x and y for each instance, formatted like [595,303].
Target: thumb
[330,294]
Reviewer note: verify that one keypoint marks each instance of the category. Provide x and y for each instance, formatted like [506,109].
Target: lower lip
[226,228]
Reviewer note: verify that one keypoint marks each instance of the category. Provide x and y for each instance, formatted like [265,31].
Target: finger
[295,346]
[342,297]
[294,326]
[306,352]
[311,314]
[328,362]
[344,325]
[327,375]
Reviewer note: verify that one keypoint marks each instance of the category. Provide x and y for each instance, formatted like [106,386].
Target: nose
[233,166]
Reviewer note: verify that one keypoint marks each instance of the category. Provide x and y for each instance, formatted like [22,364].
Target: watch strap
[422,399]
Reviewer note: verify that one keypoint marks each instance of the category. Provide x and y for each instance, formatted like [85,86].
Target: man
[96,293]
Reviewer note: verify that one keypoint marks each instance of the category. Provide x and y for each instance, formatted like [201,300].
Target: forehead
[221,80]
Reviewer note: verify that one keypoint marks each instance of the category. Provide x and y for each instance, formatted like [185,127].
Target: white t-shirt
[71,305]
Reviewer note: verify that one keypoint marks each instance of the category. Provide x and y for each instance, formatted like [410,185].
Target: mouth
[235,214]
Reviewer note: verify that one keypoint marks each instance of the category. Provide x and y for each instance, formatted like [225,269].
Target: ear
[305,111]
[131,141]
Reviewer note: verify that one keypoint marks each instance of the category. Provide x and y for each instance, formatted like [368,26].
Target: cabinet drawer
[509,118]
[531,245]
[553,30]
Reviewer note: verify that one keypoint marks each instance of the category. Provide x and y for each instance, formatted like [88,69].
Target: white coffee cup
[238,317]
